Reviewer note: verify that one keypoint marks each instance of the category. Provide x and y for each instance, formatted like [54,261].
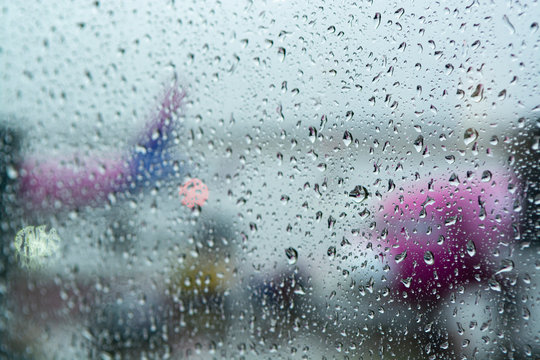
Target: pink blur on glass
[71,183]
[461,225]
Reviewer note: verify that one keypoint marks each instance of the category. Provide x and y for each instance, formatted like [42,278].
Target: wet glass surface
[278,179]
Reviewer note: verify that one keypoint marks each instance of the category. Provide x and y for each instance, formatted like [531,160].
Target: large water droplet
[440,240]
[507,266]
[450,159]
[359,193]
[282,53]
[471,248]
[377,20]
[391,185]
[419,143]
[429,258]
[407,282]
[494,285]
[331,252]
[478,93]
[486,176]
[364,214]
[454,179]
[312,134]
[400,257]
[347,138]
[331,222]
[450,221]
[292,255]
[526,313]
[470,136]
[510,26]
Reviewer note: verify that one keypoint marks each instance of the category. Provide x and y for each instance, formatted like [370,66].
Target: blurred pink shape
[442,236]
[195,192]
[70,182]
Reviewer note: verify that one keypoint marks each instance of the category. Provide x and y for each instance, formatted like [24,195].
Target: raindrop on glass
[359,193]
[407,282]
[470,136]
[331,222]
[486,176]
[347,138]
[428,258]
[506,266]
[454,180]
[312,134]
[364,214]
[471,248]
[331,252]
[419,143]
[401,257]
[494,285]
[440,240]
[292,255]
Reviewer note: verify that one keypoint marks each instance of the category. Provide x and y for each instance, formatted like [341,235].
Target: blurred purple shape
[72,182]
[442,235]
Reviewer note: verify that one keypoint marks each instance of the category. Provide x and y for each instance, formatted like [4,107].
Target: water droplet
[407,282]
[450,159]
[279,111]
[331,251]
[359,193]
[470,136]
[440,240]
[507,266]
[510,26]
[429,258]
[282,52]
[324,120]
[331,222]
[364,214]
[526,313]
[377,20]
[450,221]
[400,257]
[12,173]
[486,176]
[494,285]
[347,138]
[419,143]
[454,180]
[292,255]
[471,248]
[391,185]
[478,93]
[312,134]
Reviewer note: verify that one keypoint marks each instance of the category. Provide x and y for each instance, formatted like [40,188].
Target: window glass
[275,179]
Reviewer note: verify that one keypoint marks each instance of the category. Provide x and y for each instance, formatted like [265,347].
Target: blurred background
[372,170]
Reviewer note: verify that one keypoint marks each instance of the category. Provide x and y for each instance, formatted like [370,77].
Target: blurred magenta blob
[444,233]
[71,182]
[52,183]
